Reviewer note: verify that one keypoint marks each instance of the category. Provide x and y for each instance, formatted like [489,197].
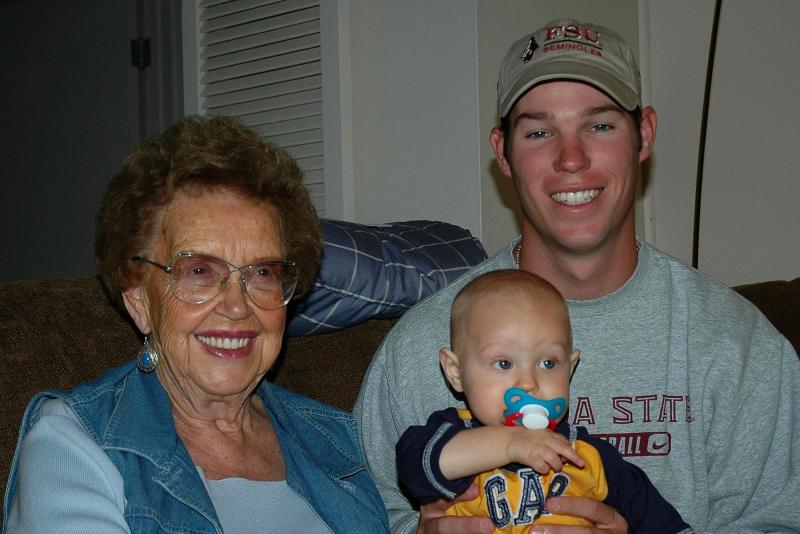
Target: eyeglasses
[197,278]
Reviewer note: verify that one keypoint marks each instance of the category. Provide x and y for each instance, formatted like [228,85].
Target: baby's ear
[574,358]
[451,367]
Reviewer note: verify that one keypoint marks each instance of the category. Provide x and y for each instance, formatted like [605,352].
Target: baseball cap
[571,50]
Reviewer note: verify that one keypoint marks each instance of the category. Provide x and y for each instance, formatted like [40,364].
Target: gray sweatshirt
[688,379]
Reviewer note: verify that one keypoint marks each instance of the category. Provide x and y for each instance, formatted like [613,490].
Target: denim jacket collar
[152,433]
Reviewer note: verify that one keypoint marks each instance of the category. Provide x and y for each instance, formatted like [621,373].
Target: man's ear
[647,130]
[574,358]
[498,142]
[137,307]
[451,367]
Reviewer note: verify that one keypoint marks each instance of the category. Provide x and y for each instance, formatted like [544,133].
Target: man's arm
[379,417]
[382,417]
[753,473]
[402,387]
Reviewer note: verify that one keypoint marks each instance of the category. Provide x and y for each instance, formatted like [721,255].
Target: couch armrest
[779,300]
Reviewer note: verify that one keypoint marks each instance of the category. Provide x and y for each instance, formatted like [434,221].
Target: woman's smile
[227,345]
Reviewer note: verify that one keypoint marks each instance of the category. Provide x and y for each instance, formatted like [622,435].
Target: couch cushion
[779,300]
[330,367]
[54,333]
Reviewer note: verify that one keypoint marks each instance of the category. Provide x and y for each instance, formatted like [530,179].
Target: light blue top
[106,458]
[279,508]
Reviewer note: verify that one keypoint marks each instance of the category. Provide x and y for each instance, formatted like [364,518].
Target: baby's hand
[543,450]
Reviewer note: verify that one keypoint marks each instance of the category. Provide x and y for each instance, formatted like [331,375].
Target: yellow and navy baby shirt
[514,496]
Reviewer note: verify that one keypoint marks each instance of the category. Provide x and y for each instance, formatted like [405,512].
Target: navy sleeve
[418,453]
[632,494]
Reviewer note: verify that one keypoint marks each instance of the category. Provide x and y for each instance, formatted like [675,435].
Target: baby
[511,356]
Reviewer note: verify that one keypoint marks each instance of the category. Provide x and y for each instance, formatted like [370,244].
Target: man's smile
[574,198]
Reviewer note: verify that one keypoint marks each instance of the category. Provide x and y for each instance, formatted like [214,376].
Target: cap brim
[573,70]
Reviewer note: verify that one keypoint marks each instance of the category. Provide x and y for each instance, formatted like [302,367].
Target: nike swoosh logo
[659,444]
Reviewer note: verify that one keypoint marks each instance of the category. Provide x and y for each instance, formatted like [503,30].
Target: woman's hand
[604,518]
[433,518]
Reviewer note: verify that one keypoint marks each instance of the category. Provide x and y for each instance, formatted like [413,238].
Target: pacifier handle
[511,419]
[528,411]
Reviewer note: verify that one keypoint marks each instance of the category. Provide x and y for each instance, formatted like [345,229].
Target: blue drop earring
[148,358]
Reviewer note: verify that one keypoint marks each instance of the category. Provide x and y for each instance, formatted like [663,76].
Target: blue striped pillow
[380,271]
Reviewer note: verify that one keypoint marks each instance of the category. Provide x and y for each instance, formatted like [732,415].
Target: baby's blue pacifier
[526,410]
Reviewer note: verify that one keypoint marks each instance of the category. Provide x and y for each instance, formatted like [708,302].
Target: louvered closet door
[260,60]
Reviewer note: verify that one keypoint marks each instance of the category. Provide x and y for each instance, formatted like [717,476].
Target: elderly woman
[206,234]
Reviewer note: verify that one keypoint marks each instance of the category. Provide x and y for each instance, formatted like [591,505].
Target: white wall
[749,219]
[414,111]
[676,70]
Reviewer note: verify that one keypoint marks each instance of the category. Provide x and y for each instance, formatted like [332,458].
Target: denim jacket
[128,414]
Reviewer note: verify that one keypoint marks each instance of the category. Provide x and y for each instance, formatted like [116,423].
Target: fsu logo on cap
[572,37]
[529,50]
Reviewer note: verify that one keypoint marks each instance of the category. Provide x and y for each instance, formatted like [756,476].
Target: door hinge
[140,53]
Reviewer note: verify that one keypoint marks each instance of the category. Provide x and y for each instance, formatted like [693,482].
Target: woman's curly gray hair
[195,155]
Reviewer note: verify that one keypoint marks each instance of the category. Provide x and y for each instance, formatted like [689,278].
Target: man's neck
[581,275]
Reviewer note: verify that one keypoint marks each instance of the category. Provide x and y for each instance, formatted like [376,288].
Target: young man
[688,380]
